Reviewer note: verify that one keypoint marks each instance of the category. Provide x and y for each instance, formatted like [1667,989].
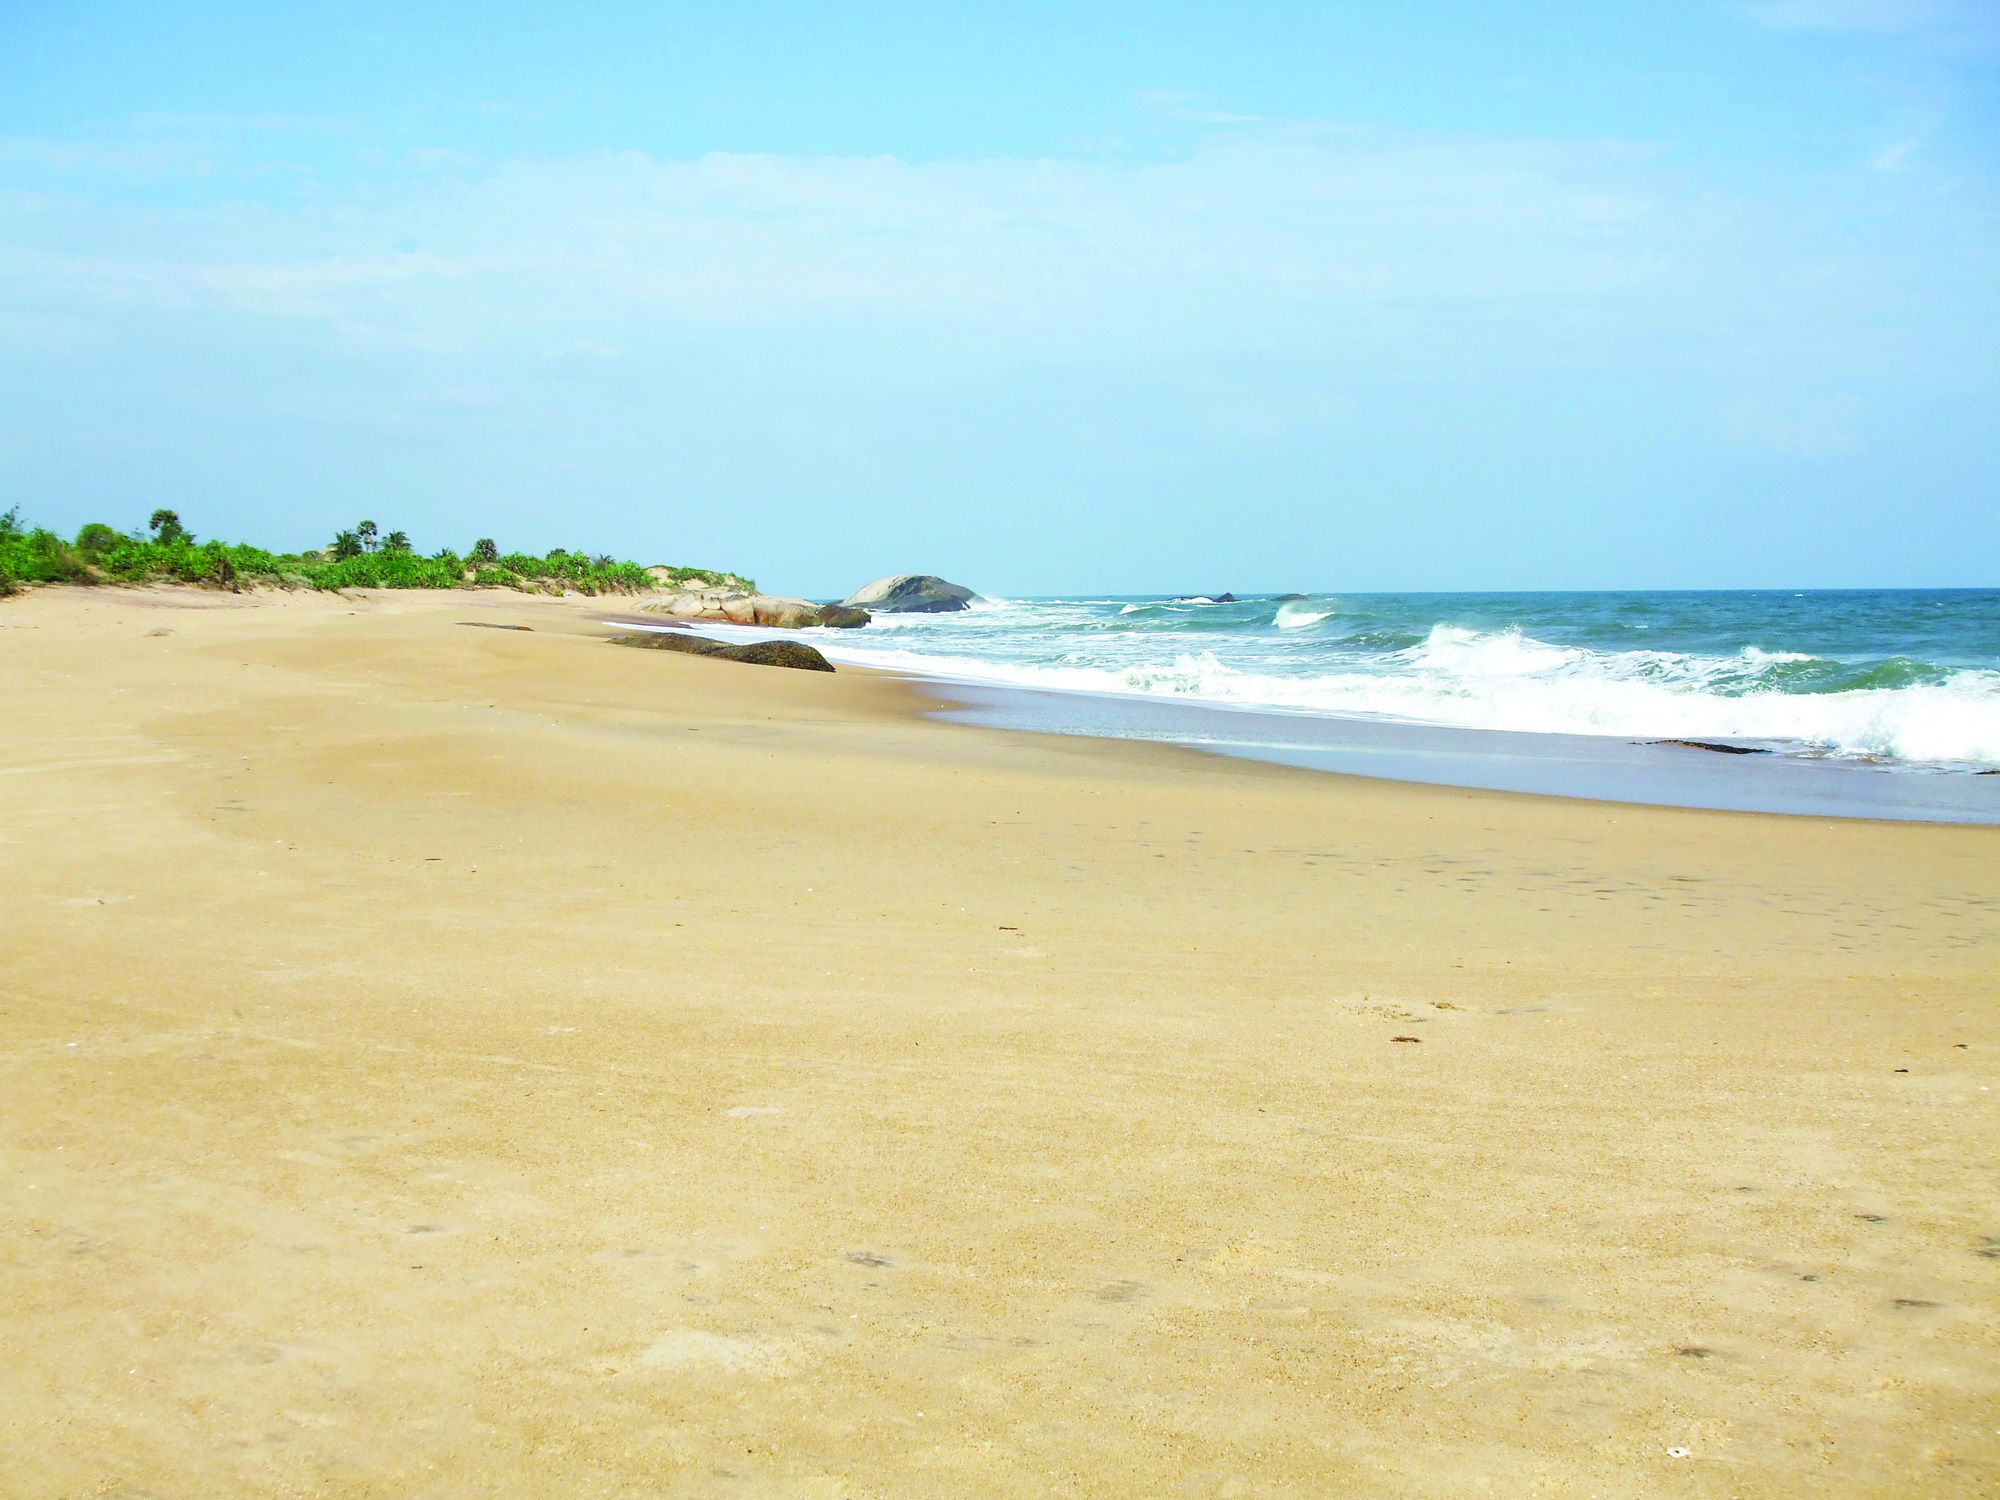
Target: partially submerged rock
[1714,746]
[768,610]
[912,593]
[758,653]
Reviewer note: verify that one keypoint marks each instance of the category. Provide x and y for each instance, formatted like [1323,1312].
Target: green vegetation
[166,551]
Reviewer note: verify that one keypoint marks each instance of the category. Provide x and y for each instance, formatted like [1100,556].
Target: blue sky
[1168,296]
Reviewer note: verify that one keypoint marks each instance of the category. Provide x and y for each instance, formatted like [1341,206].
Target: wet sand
[450,1061]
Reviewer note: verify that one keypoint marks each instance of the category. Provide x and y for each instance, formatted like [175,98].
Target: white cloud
[1848,15]
[68,156]
[1237,243]
[1895,156]
[586,349]
[1816,426]
[1965,22]
[1353,252]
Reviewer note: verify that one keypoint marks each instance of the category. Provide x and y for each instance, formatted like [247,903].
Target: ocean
[1904,685]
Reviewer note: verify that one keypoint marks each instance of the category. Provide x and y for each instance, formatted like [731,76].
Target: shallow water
[1598,767]
[1908,679]
[1860,704]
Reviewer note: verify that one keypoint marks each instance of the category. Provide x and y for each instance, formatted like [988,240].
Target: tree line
[361,556]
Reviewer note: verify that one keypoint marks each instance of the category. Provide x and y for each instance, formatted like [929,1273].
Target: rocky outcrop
[912,593]
[758,653]
[756,609]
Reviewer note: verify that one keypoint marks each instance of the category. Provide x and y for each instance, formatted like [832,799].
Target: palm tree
[484,551]
[166,527]
[396,541]
[366,531]
[347,544]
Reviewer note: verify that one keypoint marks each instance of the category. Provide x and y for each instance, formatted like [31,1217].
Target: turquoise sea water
[1906,680]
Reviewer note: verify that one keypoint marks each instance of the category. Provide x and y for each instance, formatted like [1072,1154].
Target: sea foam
[1507,680]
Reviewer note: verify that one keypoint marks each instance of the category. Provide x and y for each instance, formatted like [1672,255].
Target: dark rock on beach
[911,593]
[842,617]
[1284,598]
[1719,749]
[757,653]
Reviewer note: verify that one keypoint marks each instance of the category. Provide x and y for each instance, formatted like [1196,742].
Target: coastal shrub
[38,556]
[166,549]
[96,539]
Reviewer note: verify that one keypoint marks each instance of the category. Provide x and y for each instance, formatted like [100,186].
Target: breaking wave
[1893,707]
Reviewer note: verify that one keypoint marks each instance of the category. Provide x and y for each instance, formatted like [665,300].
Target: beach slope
[444,1059]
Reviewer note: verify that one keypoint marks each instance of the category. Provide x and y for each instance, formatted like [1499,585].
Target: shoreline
[1615,769]
[445,1058]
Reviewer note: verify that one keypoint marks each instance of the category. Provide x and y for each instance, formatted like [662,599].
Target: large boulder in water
[911,593]
[758,653]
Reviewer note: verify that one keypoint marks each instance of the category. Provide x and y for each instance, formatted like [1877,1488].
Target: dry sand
[452,1061]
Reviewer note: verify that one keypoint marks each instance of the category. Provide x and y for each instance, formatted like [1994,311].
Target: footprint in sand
[1124,1291]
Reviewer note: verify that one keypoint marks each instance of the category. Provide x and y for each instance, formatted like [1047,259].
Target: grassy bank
[364,557]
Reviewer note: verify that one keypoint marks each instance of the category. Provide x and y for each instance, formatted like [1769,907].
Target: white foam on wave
[1295,616]
[1505,680]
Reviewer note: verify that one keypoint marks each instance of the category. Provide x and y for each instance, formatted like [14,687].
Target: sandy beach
[444,1060]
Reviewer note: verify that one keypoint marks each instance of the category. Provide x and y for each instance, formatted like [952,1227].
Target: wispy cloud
[1849,15]
[1237,242]
[1895,156]
[1190,109]
[96,156]
[1817,426]
[1974,23]
[1357,253]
